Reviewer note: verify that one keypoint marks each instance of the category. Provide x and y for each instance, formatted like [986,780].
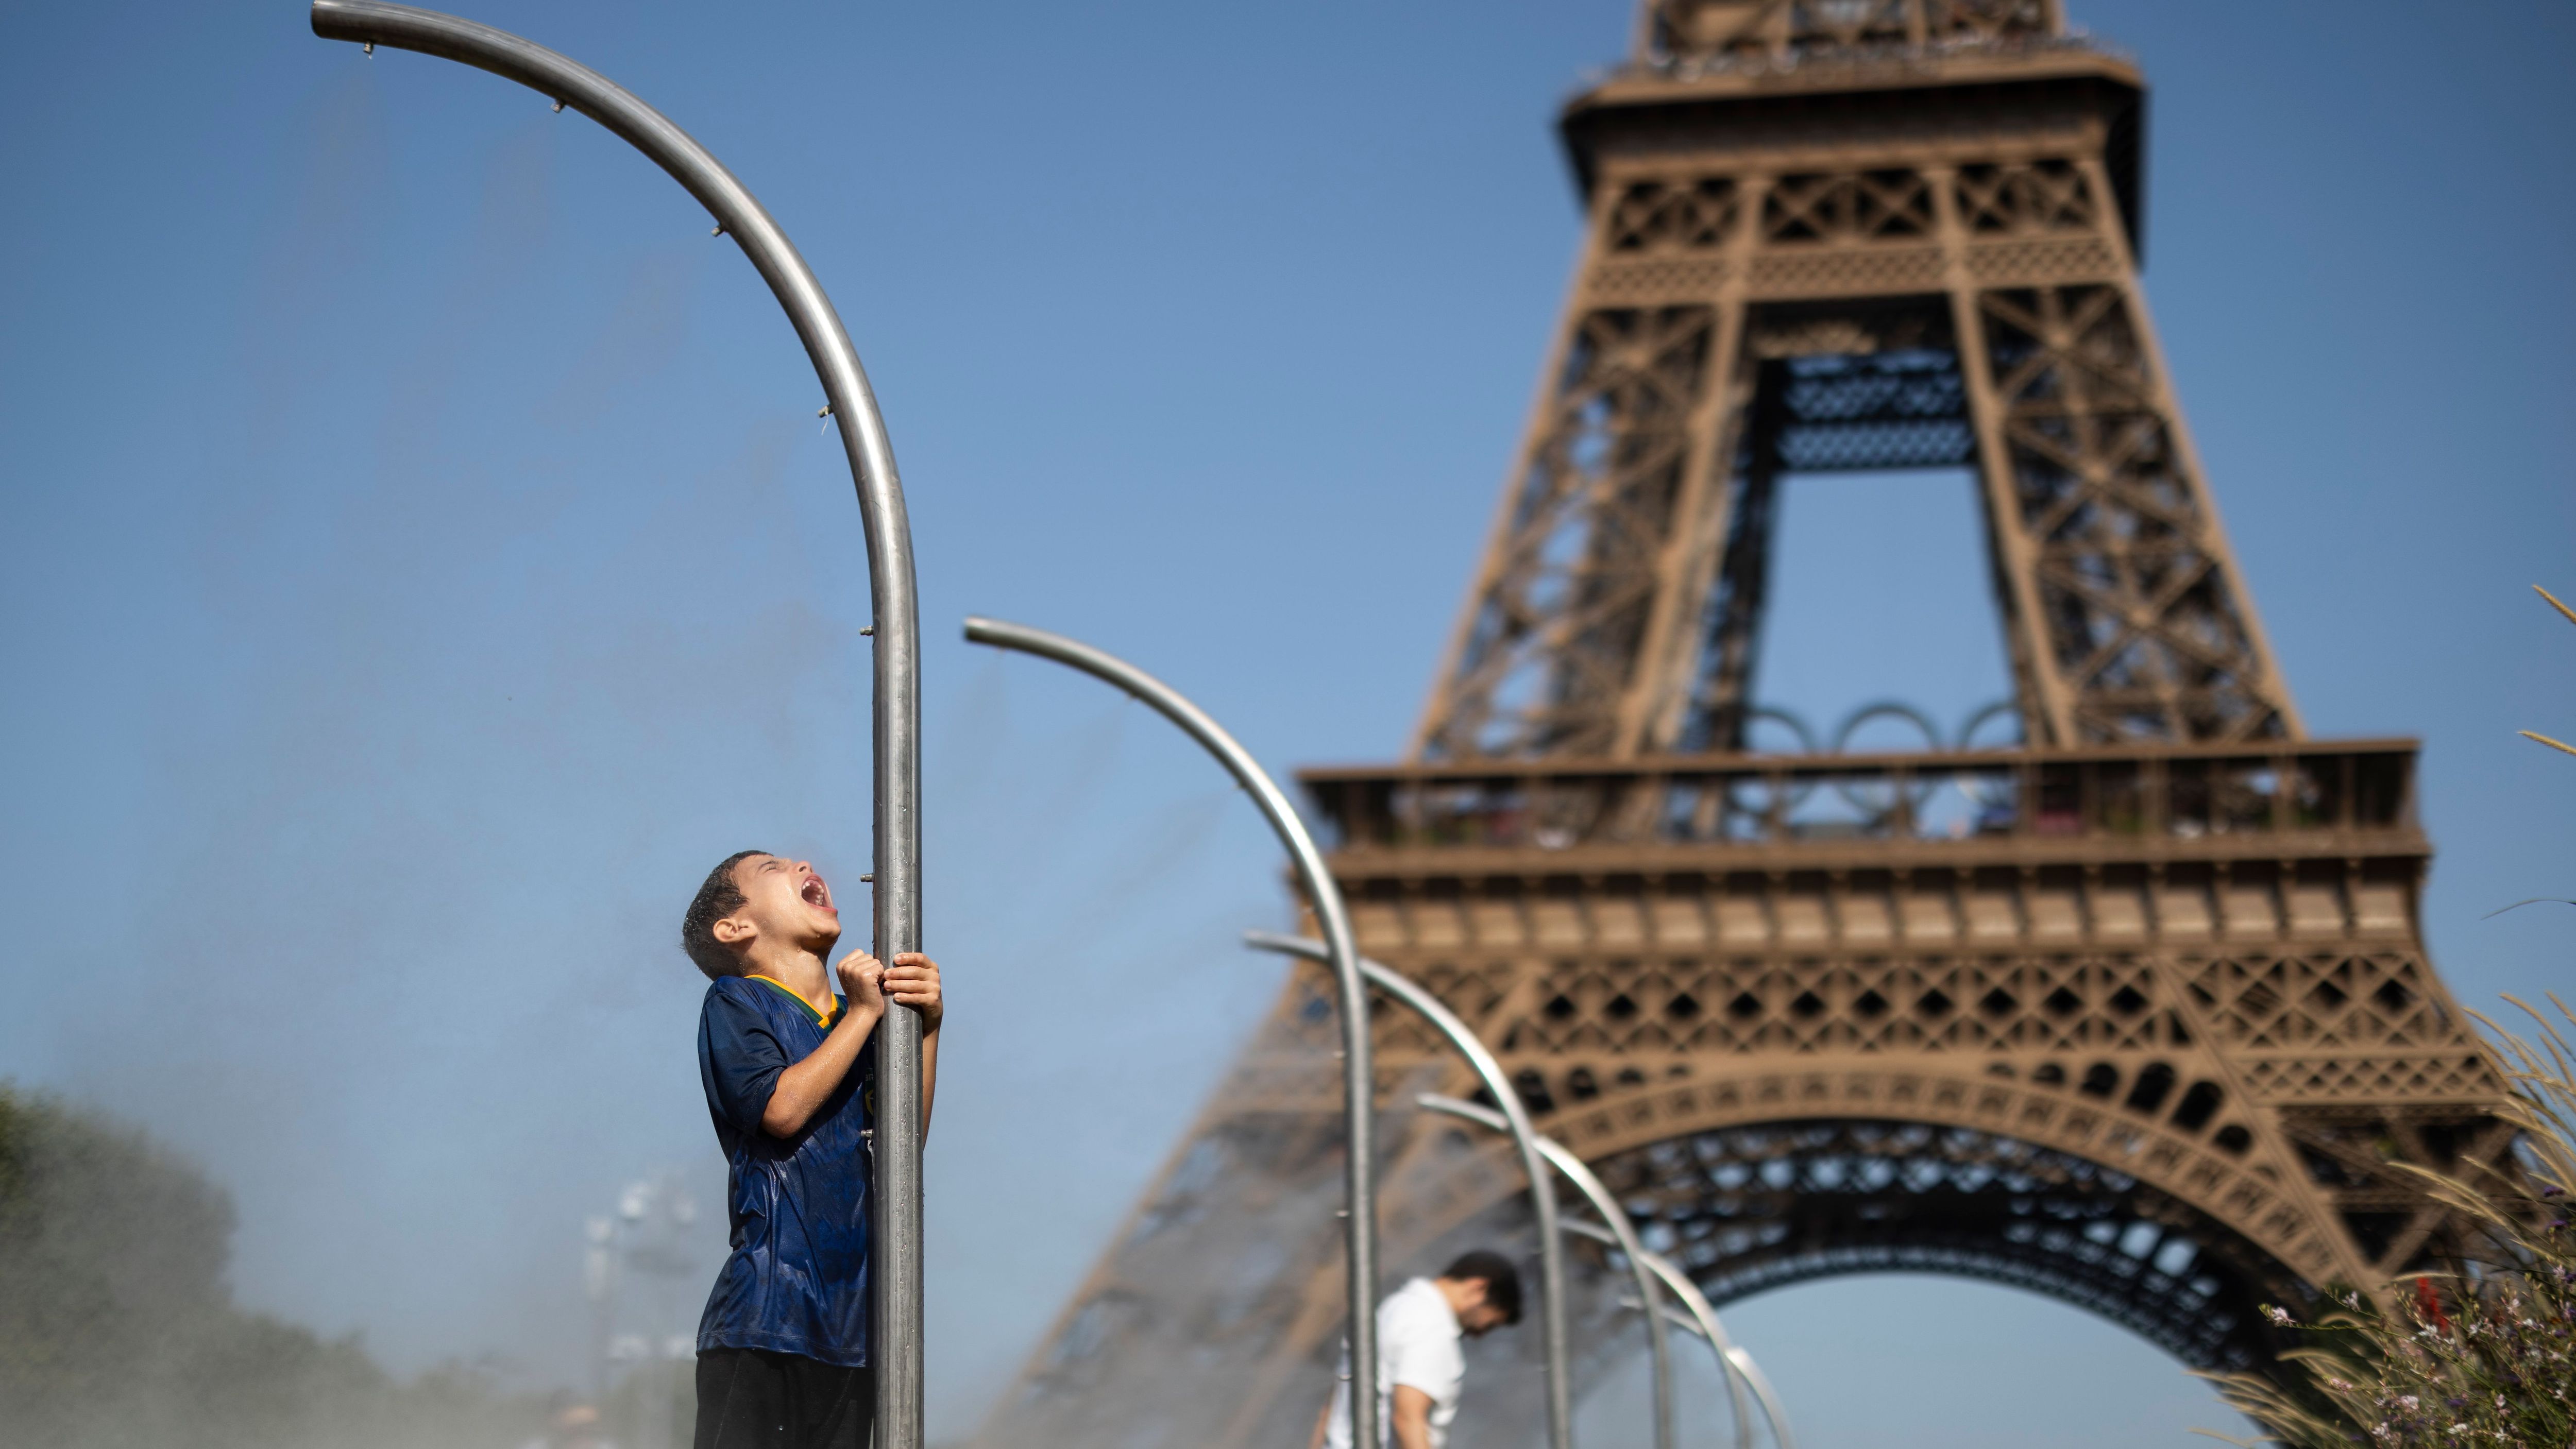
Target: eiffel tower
[2134,1013]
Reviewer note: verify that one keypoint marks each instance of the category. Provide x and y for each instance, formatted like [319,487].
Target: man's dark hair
[718,898]
[1502,1281]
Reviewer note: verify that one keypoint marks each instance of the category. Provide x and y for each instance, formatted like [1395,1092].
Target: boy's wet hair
[718,898]
[1502,1281]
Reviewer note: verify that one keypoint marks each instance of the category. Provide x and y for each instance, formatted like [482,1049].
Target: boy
[1420,1368]
[790,1077]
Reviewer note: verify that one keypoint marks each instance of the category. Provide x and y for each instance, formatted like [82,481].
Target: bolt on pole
[1515,1119]
[1359,1187]
[895,1256]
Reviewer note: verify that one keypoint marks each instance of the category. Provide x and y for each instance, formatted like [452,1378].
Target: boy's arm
[913,980]
[929,1076]
[1411,1420]
[803,1088]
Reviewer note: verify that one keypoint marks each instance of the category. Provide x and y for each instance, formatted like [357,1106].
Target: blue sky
[419,560]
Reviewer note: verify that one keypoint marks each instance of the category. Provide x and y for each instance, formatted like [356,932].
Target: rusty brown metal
[2136,1013]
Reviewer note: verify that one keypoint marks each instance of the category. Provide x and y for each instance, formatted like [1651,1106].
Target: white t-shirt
[1417,1344]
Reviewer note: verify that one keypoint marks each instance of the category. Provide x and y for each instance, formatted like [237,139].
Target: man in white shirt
[1420,1367]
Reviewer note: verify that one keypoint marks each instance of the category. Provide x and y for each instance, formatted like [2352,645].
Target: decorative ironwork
[1691,35]
[1558,631]
[2142,623]
[2303,799]
[1616,611]
[1762,1207]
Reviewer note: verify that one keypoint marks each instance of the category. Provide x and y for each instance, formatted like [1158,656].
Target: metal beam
[1358,1109]
[895,1252]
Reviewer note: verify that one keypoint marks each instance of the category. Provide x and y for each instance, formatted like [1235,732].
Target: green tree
[117,1326]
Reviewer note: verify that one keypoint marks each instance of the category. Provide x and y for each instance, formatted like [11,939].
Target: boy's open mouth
[816,893]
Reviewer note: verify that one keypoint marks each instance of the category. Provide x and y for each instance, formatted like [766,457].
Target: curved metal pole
[1358,1088]
[1751,1372]
[1733,1360]
[1733,1363]
[1658,1345]
[1551,1244]
[896,1251]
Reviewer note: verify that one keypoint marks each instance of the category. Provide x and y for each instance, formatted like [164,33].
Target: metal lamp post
[896,1257]
[1359,1206]
[1515,1118]
[1658,1346]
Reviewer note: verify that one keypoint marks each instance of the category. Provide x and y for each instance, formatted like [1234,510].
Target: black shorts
[750,1398]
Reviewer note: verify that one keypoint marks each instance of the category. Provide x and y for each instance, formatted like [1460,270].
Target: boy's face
[783,901]
[1479,1317]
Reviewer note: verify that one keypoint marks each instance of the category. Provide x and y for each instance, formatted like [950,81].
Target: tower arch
[1757,1184]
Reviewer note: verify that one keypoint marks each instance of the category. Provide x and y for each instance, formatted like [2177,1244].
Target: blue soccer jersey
[797,1281]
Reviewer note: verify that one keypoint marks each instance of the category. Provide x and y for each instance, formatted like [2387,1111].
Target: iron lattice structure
[2135,1014]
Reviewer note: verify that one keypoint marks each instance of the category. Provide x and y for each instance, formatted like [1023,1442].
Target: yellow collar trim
[822,1018]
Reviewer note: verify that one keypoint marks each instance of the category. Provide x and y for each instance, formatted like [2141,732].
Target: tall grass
[2570,615]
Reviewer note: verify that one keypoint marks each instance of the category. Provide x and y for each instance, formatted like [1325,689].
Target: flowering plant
[2484,1357]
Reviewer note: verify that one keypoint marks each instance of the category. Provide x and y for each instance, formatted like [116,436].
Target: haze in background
[419,562]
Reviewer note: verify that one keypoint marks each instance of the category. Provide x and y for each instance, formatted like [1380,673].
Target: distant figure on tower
[1420,1369]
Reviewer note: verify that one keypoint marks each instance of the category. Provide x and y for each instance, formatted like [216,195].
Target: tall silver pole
[896,1250]
[1551,1242]
[1359,1192]
[1658,1344]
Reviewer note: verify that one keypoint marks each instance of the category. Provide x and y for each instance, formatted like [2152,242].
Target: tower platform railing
[2352,797]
